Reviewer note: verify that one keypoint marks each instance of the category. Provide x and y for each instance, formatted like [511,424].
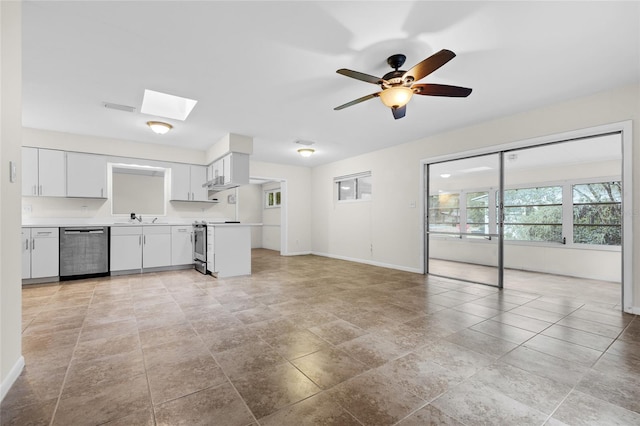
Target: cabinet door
[45,252]
[26,253]
[86,175]
[181,245]
[156,250]
[180,182]
[29,171]
[198,177]
[51,173]
[126,252]
[226,168]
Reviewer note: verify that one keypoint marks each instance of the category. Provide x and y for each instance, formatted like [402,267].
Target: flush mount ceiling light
[159,127]
[165,105]
[306,152]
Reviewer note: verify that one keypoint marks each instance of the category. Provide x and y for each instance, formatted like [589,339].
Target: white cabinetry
[228,250]
[186,182]
[233,168]
[43,172]
[181,245]
[156,246]
[126,248]
[139,247]
[40,252]
[86,175]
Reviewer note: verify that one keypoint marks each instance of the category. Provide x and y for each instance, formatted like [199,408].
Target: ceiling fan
[398,86]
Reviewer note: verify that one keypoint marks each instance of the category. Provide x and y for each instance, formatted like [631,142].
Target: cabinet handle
[101,192]
[33,244]
[26,244]
[35,192]
[188,195]
[40,190]
[140,240]
[144,239]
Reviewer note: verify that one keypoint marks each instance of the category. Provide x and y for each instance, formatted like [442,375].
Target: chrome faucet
[139,219]
[154,220]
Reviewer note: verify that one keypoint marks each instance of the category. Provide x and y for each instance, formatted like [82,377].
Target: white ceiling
[267,69]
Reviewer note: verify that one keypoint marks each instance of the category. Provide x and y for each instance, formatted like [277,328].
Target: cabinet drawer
[126,230]
[44,232]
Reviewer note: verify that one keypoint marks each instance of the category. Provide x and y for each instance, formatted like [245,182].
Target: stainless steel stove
[200,246]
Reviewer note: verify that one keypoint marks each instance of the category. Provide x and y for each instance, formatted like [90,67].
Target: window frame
[356,177]
[276,193]
[567,213]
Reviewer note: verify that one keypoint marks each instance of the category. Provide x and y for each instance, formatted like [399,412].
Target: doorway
[544,216]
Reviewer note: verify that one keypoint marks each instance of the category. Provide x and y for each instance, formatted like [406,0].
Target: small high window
[272,198]
[354,187]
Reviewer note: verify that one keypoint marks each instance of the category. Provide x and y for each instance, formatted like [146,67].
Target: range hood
[227,172]
[217,185]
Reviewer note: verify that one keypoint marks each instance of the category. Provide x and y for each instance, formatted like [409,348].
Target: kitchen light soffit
[165,105]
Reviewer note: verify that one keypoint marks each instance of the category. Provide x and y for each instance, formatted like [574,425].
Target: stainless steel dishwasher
[84,251]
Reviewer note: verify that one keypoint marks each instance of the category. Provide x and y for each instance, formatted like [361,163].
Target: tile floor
[311,340]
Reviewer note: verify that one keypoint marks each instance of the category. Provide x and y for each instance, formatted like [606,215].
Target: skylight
[165,105]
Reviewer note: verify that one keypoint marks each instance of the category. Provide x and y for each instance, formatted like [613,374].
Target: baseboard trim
[298,253]
[370,262]
[633,310]
[11,378]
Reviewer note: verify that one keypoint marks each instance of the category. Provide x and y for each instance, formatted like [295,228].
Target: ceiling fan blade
[399,112]
[357,101]
[441,90]
[360,76]
[429,65]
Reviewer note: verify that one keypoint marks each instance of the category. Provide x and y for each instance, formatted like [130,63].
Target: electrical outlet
[26,208]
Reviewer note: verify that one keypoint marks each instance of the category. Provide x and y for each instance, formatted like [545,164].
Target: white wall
[271,219]
[250,210]
[396,172]
[11,361]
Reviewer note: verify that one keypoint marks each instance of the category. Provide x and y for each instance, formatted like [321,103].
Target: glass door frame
[623,127]
[499,216]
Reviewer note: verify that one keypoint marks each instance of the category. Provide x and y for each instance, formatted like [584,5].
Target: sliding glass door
[462,219]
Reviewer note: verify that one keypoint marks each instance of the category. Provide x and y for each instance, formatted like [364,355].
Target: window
[597,210]
[354,187]
[444,212]
[533,214]
[478,212]
[272,198]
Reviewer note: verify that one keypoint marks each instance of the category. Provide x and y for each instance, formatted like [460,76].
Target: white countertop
[72,222]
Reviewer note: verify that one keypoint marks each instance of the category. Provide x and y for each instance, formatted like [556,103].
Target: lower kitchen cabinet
[181,245]
[40,253]
[138,247]
[156,246]
[126,248]
[228,250]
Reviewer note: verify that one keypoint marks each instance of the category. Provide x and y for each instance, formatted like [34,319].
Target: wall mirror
[138,189]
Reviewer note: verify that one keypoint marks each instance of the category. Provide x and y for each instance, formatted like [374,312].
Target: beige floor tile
[381,343]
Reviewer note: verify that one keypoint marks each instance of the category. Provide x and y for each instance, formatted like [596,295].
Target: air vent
[305,143]
[119,107]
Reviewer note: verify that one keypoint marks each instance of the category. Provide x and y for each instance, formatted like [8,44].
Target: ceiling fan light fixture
[397,96]
[159,127]
[306,152]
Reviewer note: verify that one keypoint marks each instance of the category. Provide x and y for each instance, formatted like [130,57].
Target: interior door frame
[625,130]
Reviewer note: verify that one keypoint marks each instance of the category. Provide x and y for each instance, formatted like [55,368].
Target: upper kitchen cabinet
[229,171]
[86,175]
[187,181]
[43,172]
